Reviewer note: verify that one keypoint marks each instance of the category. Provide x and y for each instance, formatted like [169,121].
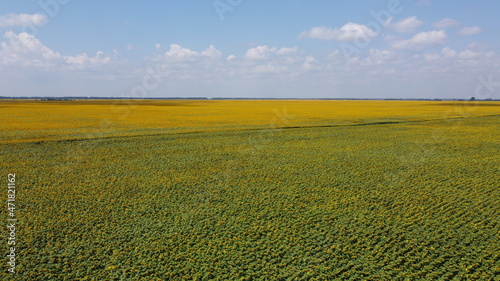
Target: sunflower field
[252,190]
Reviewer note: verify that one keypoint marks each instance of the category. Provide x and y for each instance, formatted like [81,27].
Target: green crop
[401,201]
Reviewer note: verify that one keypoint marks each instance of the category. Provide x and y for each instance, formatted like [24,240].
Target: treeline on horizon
[71,98]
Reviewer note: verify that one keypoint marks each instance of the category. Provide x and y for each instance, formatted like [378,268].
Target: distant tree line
[228,98]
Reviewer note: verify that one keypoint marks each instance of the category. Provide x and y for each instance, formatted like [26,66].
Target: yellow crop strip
[28,121]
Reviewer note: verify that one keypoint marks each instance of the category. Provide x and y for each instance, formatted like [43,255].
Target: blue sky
[250,48]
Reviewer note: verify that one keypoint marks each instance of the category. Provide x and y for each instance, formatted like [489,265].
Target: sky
[250,48]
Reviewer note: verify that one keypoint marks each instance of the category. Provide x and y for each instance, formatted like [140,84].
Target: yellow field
[30,121]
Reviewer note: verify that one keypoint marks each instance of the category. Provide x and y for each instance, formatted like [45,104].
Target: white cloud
[354,31]
[472,58]
[85,61]
[12,20]
[446,23]
[382,57]
[472,30]
[286,51]
[334,55]
[264,52]
[311,63]
[319,32]
[463,61]
[470,54]
[348,32]
[422,39]
[211,52]
[476,46]
[431,57]
[448,52]
[25,50]
[430,38]
[269,68]
[406,25]
[288,61]
[176,53]
[259,52]
[185,64]
[158,46]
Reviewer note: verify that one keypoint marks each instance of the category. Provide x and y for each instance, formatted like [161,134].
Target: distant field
[254,190]
[27,121]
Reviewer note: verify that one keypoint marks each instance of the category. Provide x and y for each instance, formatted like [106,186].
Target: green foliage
[381,202]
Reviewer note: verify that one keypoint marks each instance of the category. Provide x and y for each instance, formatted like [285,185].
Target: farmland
[254,190]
